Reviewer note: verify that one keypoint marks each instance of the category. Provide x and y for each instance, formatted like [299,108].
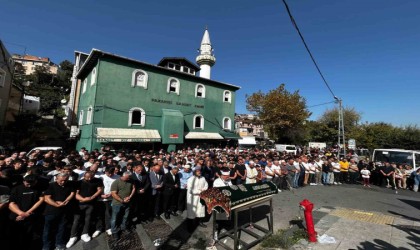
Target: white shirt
[365,173]
[251,175]
[336,167]
[219,182]
[107,181]
[274,168]
[269,170]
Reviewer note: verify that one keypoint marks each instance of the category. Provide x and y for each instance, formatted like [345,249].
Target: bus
[399,156]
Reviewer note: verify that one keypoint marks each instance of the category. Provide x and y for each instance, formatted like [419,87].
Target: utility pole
[341,136]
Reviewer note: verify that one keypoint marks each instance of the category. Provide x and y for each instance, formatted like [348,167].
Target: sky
[368,50]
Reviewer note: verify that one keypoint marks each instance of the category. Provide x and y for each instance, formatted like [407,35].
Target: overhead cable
[307,49]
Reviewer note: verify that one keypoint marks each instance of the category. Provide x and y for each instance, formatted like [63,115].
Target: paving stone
[401,221]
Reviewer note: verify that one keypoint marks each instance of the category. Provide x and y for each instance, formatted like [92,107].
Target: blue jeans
[119,217]
[325,178]
[55,224]
[295,181]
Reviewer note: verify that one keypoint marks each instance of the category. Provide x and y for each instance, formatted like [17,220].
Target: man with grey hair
[122,190]
[57,211]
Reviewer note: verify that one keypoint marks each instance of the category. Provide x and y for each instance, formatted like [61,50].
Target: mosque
[127,103]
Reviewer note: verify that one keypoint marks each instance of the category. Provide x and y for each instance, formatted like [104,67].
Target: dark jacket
[169,183]
[142,183]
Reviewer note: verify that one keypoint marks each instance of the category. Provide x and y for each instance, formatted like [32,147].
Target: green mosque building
[124,102]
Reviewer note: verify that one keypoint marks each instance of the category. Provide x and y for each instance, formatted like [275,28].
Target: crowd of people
[51,199]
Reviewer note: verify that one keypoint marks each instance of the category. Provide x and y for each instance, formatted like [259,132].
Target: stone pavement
[358,218]
[358,229]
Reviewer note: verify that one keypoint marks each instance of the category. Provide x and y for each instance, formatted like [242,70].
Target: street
[403,206]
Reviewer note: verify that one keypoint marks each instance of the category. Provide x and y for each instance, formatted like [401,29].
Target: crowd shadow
[378,244]
[403,215]
[415,204]
[179,236]
[413,233]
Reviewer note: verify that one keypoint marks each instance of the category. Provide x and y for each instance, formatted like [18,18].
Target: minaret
[206,58]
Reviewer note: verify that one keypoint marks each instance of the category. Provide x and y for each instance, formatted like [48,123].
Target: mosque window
[89,114]
[2,77]
[93,77]
[200,91]
[227,96]
[173,86]
[139,79]
[136,117]
[81,118]
[84,86]
[227,123]
[198,122]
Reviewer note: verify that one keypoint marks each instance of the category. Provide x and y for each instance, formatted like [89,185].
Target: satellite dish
[65,118]
[63,101]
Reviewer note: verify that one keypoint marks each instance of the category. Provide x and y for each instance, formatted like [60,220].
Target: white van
[43,150]
[399,156]
[286,148]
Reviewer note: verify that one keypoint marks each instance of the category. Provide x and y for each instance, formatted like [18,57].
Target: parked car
[43,150]
[286,148]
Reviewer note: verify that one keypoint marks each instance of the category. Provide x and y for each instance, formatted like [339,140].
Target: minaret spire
[206,57]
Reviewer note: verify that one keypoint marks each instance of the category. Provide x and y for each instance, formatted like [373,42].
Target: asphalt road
[404,204]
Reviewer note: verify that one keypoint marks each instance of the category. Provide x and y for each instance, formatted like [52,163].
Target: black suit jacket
[143,183]
[169,183]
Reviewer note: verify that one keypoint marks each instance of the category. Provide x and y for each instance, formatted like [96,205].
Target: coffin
[235,196]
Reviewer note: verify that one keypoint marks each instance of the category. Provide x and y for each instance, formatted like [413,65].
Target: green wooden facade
[109,95]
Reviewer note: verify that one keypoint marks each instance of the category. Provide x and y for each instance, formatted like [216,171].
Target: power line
[325,103]
[19,45]
[307,48]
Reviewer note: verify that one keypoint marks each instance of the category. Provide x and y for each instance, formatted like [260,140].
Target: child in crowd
[365,175]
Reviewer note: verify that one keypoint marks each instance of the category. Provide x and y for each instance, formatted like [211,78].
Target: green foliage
[284,238]
[368,135]
[282,113]
[50,88]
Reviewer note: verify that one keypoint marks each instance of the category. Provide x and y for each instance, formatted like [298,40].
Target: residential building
[250,125]
[6,76]
[31,104]
[29,63]
[125,102]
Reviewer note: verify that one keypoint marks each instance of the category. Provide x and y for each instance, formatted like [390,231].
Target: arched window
[227,96]
[2,77]
[173,85]
[200,91]
[198,122]
[81,118]
[84,86]
[93,77]
[227,123]
[139,78]
[89,114]
[136,117]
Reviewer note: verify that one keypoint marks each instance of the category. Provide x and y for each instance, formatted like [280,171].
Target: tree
[49,87]
[65,73]
[282,113]
[329,120]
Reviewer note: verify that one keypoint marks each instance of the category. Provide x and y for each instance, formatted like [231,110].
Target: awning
[247,141]
[229,135]
[127,135]
[203,135]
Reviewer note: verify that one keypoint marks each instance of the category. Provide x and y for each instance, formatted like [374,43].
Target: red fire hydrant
[308,206]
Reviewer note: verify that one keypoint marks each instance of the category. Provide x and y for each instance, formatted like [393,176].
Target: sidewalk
[356,229]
